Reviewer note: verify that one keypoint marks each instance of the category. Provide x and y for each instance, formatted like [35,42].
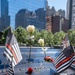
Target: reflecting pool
[38,64]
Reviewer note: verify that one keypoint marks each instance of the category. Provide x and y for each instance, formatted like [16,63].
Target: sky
[58,4]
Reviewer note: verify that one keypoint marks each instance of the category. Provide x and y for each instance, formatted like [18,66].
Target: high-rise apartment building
[56,23]
[49,23]
[4,16]
[72,15]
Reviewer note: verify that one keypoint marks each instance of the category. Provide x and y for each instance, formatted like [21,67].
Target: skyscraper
[4,17]
[67,9]
[72,15]
[21,18]
[25,17]
[25,12]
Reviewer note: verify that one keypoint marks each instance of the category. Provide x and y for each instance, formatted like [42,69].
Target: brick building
[56,23]
[49,23]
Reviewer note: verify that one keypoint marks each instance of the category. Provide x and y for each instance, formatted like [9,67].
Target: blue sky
[58,4]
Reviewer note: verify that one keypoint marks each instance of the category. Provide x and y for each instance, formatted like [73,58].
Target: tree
[71,34]
[21,34]
[50,39]
[43,35]
[36,37]
[58,37]
[3,39]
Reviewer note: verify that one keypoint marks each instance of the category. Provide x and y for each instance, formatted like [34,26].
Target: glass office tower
[22,13]
[72,14]
[4,16]
[27,12]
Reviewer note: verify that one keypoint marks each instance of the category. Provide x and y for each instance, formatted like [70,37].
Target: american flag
[66,42]
[12,51]
[64,59]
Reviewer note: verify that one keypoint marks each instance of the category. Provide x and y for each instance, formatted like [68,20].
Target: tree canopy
[50,39]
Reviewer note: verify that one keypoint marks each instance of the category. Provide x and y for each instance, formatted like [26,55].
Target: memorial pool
[38,64]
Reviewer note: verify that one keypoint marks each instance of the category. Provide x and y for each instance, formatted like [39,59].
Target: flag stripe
[74,58]
[64,66]
[73,65]
[10,70]
[60,58]
[19,52]
[65,60]
[59,61]
[14,48]
[7,56]
[60,55]
[9,53]
[14,55]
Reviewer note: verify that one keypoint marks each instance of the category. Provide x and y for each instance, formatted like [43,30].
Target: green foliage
[44,35]
[58,37]
[50,39]
[21,34]
[71,34]
[3,40]
[36,37]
